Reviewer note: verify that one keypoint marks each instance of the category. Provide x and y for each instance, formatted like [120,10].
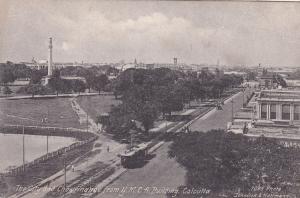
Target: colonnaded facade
[279,107]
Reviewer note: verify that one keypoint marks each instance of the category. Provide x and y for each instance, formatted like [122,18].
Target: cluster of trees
[83,72]
[227,162]
[95,78]
[279,79]
[9,72]
[147,94]
[59,85]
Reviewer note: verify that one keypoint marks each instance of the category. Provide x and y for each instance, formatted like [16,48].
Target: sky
[233,33]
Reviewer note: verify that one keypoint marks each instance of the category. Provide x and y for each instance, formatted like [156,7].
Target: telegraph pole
[65,173]
[47,133]
[23,147]
[44,121]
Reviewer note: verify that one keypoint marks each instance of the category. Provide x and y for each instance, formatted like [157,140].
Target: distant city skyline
[233,33]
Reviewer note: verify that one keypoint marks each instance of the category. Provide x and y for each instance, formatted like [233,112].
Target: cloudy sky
[244,33]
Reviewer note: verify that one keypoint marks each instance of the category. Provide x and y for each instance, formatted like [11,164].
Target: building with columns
[278,107]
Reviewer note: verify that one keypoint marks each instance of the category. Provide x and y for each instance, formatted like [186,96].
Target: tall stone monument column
[50,58]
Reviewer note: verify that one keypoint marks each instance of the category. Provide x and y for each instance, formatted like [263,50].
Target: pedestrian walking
[73,168]
[107,148]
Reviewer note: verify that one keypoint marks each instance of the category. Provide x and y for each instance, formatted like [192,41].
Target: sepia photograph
[149,99]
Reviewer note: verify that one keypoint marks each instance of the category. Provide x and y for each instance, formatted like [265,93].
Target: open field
[31,112]
[95,105]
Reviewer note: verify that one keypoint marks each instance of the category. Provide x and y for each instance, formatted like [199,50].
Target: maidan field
[32,111]
[59,111]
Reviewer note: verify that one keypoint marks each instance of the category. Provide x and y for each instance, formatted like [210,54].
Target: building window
[263,114]
[273,111]
[297,112]
[286,112]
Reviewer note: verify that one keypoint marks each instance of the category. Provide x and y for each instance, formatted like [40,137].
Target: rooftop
[279,95]
[275,132]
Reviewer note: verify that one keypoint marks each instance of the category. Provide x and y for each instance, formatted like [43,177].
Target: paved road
[162,173]
[219,119]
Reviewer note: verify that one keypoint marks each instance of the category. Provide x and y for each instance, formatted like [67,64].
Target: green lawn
[95,105]
[33,110]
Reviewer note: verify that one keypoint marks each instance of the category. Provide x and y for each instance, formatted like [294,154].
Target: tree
[226,162]
[6,75]
[58,84]
[123,82]
[6,90]
[55,84]
[170,98]
[36,76]
[100,82]
[65,86]
[120,121]
[34,89]
[90,79]
[103,119]
[147,115]
[279,80]
[56,74]
[78,86]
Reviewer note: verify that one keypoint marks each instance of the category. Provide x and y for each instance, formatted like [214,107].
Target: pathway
[100,154]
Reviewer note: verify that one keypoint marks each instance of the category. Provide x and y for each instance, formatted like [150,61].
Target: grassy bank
[95,105]
[38,172]
[31,112]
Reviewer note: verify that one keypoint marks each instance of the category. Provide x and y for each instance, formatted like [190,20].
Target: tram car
[134,156]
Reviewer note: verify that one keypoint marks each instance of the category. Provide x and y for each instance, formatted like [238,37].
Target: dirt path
[84,119]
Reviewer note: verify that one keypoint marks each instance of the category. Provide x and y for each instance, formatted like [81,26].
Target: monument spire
[50,58]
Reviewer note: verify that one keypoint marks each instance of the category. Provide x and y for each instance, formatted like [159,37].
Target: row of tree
[147,94]
[95,78]
[59,85]
[231,163]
